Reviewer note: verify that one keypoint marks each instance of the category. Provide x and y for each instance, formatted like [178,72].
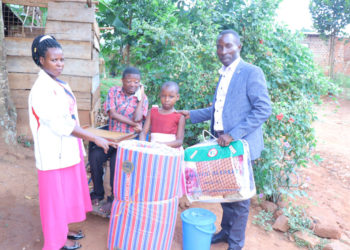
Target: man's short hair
[131,70]
[170,84]
[234,33]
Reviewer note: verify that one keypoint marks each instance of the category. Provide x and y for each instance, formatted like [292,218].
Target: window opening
[23,21]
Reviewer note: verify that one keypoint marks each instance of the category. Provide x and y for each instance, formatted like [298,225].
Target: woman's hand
[103,143]
[99,141]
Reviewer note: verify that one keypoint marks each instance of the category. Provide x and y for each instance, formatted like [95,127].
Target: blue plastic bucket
[197,228]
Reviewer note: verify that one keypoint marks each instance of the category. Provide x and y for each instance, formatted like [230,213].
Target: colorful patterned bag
[219,174]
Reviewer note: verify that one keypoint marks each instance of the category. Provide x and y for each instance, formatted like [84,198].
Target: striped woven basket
[147,171]
[142,225]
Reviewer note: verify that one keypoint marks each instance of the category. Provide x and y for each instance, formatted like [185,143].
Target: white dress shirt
[226,74]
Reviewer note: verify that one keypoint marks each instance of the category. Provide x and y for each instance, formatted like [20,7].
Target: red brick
[320,49]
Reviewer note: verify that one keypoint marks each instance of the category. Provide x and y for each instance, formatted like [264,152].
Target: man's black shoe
[219,237]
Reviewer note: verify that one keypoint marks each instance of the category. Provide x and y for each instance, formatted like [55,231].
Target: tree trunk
[128,45]
[331,55]
[8,115]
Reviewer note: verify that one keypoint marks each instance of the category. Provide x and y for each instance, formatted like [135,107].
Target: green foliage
[322,244]
[289,140]
[330,17]
[263,219]
[297,218]
[303,244]
[164,47]
[299,221]
[343,82]
[175,40]
[106,84]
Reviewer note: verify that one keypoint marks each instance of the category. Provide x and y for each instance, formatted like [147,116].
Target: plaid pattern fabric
[225,181]
[124,105]
[216,174]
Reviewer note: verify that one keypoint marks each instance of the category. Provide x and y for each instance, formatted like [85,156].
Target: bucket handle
[208,231]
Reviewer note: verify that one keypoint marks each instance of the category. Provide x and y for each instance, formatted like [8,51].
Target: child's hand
[185,113]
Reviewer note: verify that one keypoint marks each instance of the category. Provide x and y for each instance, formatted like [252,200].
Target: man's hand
[137,128]
[142,89]
[185,113]
[224,140]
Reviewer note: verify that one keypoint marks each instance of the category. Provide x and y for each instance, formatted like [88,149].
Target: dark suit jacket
[247,106]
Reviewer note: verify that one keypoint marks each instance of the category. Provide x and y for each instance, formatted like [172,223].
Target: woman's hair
[131,70]
[40,45]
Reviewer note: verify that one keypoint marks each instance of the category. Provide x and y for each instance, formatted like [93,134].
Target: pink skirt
[64,198]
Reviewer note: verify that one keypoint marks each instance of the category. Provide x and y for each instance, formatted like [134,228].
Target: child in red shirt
[166,125]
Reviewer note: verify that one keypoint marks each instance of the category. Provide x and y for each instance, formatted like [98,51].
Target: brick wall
[320,49]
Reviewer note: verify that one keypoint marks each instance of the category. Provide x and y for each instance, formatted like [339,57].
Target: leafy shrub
[106,84]
[343,82]
[297,219]
[263,219]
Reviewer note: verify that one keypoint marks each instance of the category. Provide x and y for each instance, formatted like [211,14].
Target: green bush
[297,219]
[106,84]
[343,82]
[264,220]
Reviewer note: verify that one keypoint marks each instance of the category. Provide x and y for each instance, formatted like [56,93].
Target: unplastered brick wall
[320,49]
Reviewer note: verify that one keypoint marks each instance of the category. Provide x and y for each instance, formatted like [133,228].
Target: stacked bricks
[320,49]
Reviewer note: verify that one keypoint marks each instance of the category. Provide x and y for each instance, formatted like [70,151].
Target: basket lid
[150,148]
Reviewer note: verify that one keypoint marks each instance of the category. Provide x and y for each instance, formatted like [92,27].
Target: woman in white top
[63,190]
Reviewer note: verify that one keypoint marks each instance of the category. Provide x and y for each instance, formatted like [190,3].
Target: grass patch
[264,220]
[343,81]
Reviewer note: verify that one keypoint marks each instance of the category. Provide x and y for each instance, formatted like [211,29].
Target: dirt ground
[328,186]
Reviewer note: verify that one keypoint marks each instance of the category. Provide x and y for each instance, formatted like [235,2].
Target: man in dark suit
[240,106]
